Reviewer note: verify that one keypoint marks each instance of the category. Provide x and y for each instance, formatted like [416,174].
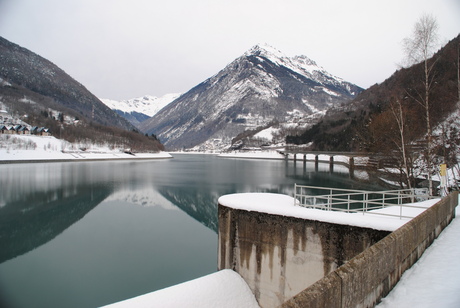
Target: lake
[86,234]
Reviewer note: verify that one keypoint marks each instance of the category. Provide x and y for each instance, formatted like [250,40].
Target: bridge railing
[358,201]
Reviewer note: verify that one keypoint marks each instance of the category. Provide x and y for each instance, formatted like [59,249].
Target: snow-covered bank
[222,289]
[25,148]
[434,281]
[255,154]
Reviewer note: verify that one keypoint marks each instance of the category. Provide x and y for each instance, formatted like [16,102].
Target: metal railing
[358,201]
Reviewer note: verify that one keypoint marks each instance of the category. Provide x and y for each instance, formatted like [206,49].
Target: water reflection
[39,203]
[127,227]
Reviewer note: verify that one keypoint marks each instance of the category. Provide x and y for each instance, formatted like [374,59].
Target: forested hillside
[39,93]
[368,122]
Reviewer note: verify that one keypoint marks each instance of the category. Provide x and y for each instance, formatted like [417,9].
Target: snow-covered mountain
[260,89]
[139,109]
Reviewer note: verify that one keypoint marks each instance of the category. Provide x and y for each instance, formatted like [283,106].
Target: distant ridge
[139,109]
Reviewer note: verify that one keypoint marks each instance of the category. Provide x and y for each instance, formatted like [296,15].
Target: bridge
[374,160]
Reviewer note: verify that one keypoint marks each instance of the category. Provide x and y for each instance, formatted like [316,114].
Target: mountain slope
[139,109]
[35,92]
[27,72]
[354,126]
[261,87]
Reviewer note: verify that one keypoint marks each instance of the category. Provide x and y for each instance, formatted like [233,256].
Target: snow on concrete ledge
[284,205]
[254,155]
[223,289]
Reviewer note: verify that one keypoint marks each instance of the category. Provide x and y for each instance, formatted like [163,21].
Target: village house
[18,129]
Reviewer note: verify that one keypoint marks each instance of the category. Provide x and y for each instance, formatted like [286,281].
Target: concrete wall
[369,276]
[280,256]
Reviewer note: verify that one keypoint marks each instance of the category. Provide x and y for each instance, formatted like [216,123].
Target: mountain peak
[264,50]
[299,63]
[259,88]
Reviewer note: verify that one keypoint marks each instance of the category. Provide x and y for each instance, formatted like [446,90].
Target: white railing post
[348,204]
[365,202]
[331,201]
[295,195]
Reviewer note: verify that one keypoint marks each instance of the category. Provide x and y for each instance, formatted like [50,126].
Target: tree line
[397,117]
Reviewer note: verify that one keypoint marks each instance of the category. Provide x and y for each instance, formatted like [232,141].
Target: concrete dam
[275,253]
[292,259]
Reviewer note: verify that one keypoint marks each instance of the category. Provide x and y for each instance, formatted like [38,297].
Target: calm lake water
[87,234]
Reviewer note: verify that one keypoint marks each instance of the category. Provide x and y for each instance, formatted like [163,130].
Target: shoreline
[29,161]
[47,149]
[88,157]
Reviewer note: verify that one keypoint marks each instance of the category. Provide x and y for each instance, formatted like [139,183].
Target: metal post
[365,202]
[295,194]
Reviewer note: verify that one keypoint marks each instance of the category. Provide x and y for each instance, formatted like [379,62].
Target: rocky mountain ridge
[262,88]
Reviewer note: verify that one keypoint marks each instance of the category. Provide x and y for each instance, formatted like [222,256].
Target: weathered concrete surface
[280,256]
[371,275]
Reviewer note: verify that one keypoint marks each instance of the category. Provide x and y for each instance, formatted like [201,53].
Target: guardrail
[357,201]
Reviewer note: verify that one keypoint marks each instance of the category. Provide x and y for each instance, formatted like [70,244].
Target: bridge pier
[351,164]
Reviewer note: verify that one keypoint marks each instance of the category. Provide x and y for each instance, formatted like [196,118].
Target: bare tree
[458,71]
[399,115]
[419,48]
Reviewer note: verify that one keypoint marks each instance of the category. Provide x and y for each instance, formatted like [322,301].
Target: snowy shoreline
[34,149]
[62,160]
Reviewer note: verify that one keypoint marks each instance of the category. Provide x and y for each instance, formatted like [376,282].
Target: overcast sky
[121,49]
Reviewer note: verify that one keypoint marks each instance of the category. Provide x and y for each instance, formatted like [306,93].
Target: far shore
[80,157]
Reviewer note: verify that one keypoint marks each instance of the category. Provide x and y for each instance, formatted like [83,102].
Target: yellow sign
[443,170]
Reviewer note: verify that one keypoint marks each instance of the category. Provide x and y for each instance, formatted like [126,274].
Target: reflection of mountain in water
[145,196]
[199,204]
[41,216]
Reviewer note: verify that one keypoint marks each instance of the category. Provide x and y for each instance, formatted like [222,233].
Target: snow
[223,289]
[42,148]
[148,105]
[272,154]
[434,281]
[267,133]
[278,204]
[299,64]
[255,154]
[330,92]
